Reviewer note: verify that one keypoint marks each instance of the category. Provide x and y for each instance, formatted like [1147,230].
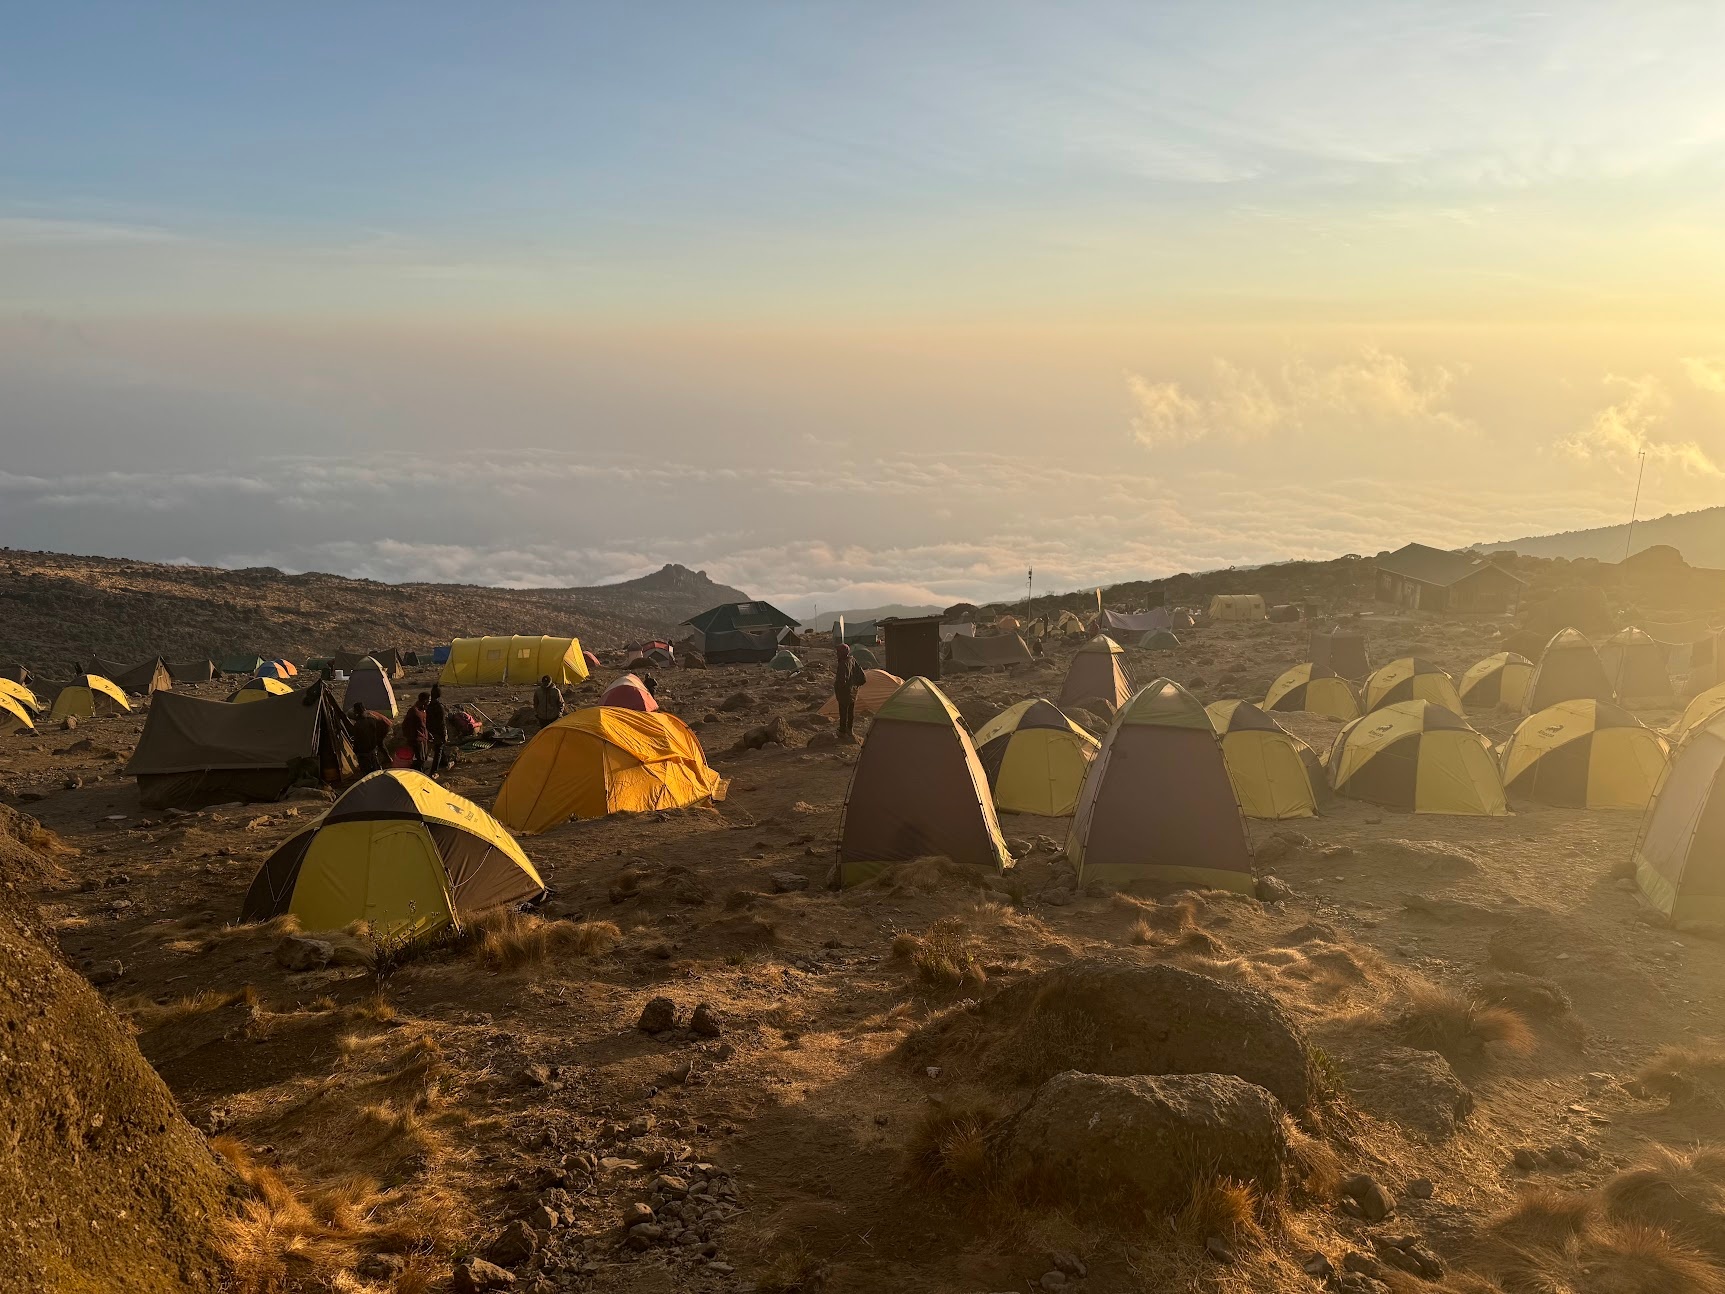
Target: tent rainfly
[87,695]
[1275,774]
[1635,664]
[140,679]
[1499,680]
[1568,670]
[1584,755]
[1097,671]
[1035,759]
[918,790]
[522,659]
[988,651]
[1417,756]
[1311,689]
[1410,679]
[1237,606]
[1680,850]
[1158,804]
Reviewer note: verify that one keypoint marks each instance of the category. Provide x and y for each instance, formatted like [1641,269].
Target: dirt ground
[399,1118]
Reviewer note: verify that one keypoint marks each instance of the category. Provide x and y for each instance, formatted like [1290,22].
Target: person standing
[847,678]
[547,702]
[416,732]
[370,738]
[436,727]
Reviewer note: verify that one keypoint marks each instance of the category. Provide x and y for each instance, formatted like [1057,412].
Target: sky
[853,303]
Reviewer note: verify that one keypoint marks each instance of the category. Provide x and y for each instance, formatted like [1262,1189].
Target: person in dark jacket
[547,702]
[370,739]
[416,732]
[437,728]
[847,678]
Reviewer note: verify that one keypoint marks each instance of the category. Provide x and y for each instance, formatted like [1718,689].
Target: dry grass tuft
[944,956]
[951,1148]
[1683,1072]
[146,1015]
[506,940]
[930,875]
[1457,1025]
[287,1236]
[791,1267]
[1221,1206]
[1681,1194]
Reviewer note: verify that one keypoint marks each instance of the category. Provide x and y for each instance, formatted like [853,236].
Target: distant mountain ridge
[1699,536]
[56,608]
[824,621]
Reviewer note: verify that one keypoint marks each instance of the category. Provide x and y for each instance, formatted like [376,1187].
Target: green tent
[241,663]
[785,661]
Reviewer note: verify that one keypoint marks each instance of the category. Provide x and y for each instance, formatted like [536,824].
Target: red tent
[629,693]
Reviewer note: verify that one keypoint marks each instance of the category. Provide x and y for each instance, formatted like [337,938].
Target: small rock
[1053,1281]
[297,953]
[1336,851]
[1363,1264]
[673,1187]
[1057,897]
[646,1234]
[74,782]
[1219,1249]
[788,882]
[379,1267]
[1420,1188]
[542,1217]
[705,1021]
[635,1214]
[536,1075]
[641,1125]
[658,1016]
[1375,1202]
[515,1246]
[1070,1263]
[69,723]
[1408,1254]
[1272,850]
[1526,1158]
[107,973]
[1273,889]
[1317,1266]
[474,1275]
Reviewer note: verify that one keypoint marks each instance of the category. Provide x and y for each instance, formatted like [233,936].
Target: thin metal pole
[1635,507]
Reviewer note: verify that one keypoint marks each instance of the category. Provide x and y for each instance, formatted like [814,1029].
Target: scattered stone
[542,1217]
[1058,896]
[1415,1088]
[69,723]
[1336,851]
[1420,1188]
[1410,1255]
[821,740]
[1375,1202]
[298,953]
[515,1246]
[736,701]
[646,1234]
[473,1275]
[1362,1264]
[1526,1158]
[74,782]
[705,1022]
[673,1187]
[1317,1265]
[635,1214]
[1273,889]
[658,1016]
[789,882]
[536,1075]
[379,1267]
[107,973]
[1070,1263]
[1219,1249]
[1272,850]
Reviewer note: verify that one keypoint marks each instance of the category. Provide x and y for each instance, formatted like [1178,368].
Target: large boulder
[103,1184]
[1144,1138]
[1109,1017]
[1414,1088]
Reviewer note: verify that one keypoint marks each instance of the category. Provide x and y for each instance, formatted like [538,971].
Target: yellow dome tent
[1410,679]
[1499,680]
[21,694]
[1315,690]
[1275,774]
[1586,755]
[1098,670]
[1568,670]
[605,759]
[84,695]
[1417,756]
[520,659]
[398,852]
[1035,759]
[1680,848]
[1158,804]
[256,689]
[14,714]
[1636,666]
[1699,710]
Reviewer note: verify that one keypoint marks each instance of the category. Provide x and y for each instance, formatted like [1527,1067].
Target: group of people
[424,730]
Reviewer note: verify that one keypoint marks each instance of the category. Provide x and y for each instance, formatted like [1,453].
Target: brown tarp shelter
[195,752]
[1342,652]
[1159,804]
[152,675]
[989,651]
[191,671]
[1635,664]
[1098,670]
[1568,670]
[918,791]
[1135,624]
[388,660]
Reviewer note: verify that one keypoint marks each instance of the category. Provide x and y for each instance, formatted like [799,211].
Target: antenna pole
[1029,593]
[1635,507]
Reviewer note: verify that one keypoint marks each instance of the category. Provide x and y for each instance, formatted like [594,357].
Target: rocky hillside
[1699,536]
[56,608]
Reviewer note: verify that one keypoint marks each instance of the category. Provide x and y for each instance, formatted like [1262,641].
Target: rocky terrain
[1431,1053]
[56,609]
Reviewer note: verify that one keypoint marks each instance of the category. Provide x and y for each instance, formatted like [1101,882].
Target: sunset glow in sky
[853,303]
